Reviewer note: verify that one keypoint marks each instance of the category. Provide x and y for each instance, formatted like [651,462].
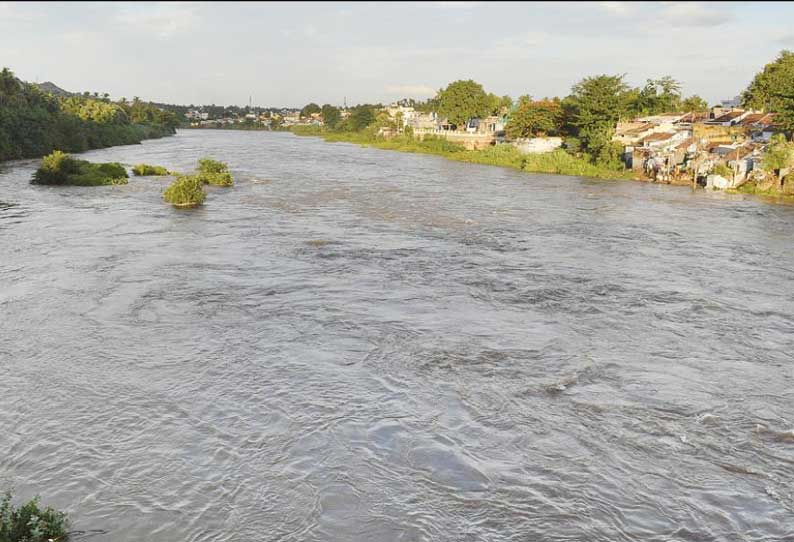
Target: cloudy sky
[287,54]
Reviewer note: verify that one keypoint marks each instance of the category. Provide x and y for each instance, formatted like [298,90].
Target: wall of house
[469,141]
[719,134]
[537,145]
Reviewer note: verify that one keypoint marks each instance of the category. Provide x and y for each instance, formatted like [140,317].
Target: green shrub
[723,171]
[30,522]
[217,179]
[208,165]
[214,172]
[59,168]
[146,169]
[185,191]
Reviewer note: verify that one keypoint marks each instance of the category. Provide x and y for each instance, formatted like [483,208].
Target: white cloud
[163,20]
[411,91]
[694,14]
[457,5]
[617,8]
[16,12]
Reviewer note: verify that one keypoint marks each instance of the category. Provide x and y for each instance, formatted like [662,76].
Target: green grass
[30,522]
[185,191]
[148,170]
[558,162]
[767,189]
[58,168]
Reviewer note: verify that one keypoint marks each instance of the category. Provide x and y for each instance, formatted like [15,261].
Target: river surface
[360,345]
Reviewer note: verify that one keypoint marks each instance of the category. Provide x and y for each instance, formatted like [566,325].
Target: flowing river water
[354,344]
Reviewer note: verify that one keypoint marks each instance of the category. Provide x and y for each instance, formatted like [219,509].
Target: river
[354,344]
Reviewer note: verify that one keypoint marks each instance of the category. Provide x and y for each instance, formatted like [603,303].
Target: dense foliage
[772,89]
[310,109]
[149,170]
[185,191]
[592,111]
[535,118]
[331,116]
[34,123]
[779,158]
[30,522]
[463,100]
[214,172]
[58,168]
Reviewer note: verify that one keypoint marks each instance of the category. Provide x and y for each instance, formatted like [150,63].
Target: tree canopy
[463,100]
[331,115]
[772,89]
[535,118]
[595,105]
[310,109]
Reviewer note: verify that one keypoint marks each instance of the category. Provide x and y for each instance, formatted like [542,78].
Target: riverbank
[557,162]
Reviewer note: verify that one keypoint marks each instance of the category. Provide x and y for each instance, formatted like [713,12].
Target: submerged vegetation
[185,191]
[214,172]
[148,170]
[34,123]
[188,190]
[30,522]
[58,168]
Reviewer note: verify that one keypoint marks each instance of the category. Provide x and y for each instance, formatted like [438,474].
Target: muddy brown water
[361,345]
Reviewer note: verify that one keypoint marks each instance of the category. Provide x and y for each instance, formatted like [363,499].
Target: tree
[534,118]
[592,110]
[310,109]
[360,117]
[331,115]
[657,96]
[773,90]
[779,158]
[463,100]
[694,104]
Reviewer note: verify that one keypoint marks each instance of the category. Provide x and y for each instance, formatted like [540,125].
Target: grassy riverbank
[557,162]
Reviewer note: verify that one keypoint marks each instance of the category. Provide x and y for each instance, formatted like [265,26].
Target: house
[629,133]
[731,118]
[423,121]
[662,141]
[489,125]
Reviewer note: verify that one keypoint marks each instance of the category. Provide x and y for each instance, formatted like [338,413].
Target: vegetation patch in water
[30,522]
[185,191]
[214,172]
[148,170]
[58,168]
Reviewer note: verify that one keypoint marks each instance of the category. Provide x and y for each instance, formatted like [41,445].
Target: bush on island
[185,191]
[148,170]
[58,168]
[214,172]
[30,522]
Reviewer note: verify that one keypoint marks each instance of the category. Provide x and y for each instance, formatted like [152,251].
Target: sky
[289,54]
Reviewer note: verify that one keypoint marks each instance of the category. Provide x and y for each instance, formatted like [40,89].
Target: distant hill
[54,89]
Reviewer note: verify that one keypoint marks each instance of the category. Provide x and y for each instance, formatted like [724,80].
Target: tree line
[34,123]
[587,117]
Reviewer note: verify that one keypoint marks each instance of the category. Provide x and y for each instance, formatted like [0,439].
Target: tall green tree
[535,118]
[463,100]
[772,89]
[694,104]
[361,116]
[657,96]
[331,115]
[592,111]
[310,109]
